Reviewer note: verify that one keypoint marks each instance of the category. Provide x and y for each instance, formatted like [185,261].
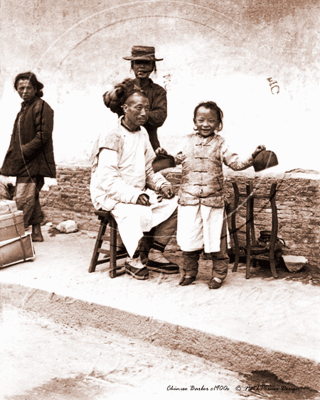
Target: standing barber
[143,63]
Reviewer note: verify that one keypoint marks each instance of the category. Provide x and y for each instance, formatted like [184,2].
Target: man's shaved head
[136,109]
[134,97]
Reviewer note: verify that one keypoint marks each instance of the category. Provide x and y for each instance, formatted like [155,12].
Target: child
[201,215]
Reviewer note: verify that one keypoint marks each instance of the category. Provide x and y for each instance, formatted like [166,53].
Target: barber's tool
[263,244]
[265,159]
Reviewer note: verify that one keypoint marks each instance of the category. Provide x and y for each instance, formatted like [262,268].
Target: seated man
[123,182]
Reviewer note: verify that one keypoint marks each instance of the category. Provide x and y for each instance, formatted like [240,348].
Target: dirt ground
[71,362]
[307,275]
[44,360]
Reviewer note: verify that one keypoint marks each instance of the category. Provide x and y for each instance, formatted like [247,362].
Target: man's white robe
[121,172]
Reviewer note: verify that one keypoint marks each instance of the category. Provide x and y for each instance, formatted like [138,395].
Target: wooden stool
[250,234]
[106,219]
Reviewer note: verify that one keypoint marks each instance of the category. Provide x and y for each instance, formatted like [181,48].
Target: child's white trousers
[200,227]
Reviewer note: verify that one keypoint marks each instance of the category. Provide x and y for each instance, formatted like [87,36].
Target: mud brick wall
[298,209]
[70,199]
[297,199]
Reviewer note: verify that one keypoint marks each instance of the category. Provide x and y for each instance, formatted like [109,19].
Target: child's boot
[189,269]
[220,261]
[219,269]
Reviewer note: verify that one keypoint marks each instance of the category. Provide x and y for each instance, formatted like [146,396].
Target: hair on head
[211,105]
[31,77]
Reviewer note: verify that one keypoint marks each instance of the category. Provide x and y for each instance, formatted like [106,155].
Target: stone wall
[297,199]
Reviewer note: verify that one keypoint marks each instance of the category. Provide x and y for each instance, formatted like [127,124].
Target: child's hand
[258,150]
[167,191]
[160,150]
[143,200]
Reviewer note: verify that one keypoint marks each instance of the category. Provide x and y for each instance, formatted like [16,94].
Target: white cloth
[133,219]
[200,227]
[121,171]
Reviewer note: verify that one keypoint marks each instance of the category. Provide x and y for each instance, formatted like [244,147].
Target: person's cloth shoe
[189,268]
[158,263]
[215,283]
[135,268]
[36,235]
[187,280]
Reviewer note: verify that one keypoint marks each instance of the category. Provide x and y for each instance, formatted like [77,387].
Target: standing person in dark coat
[143,63]
[30,155]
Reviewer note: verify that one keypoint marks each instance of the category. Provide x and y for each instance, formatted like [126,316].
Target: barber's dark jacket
[30,151]
[157,97]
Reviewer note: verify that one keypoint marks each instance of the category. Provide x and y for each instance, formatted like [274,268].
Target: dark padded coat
[30,151]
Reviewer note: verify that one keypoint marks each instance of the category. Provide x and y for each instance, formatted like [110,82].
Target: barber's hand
[120,90]
[167,191]
[143,200]
[258,150]
[160,150]
[106,99]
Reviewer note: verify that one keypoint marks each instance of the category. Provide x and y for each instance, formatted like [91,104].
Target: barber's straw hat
[142,53]
[265,159]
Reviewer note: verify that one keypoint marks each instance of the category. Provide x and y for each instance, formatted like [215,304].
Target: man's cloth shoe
[158,263]
[165,268]
[213,284]
[135,268]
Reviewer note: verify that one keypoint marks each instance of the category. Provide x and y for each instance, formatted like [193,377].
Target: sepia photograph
[159,199]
